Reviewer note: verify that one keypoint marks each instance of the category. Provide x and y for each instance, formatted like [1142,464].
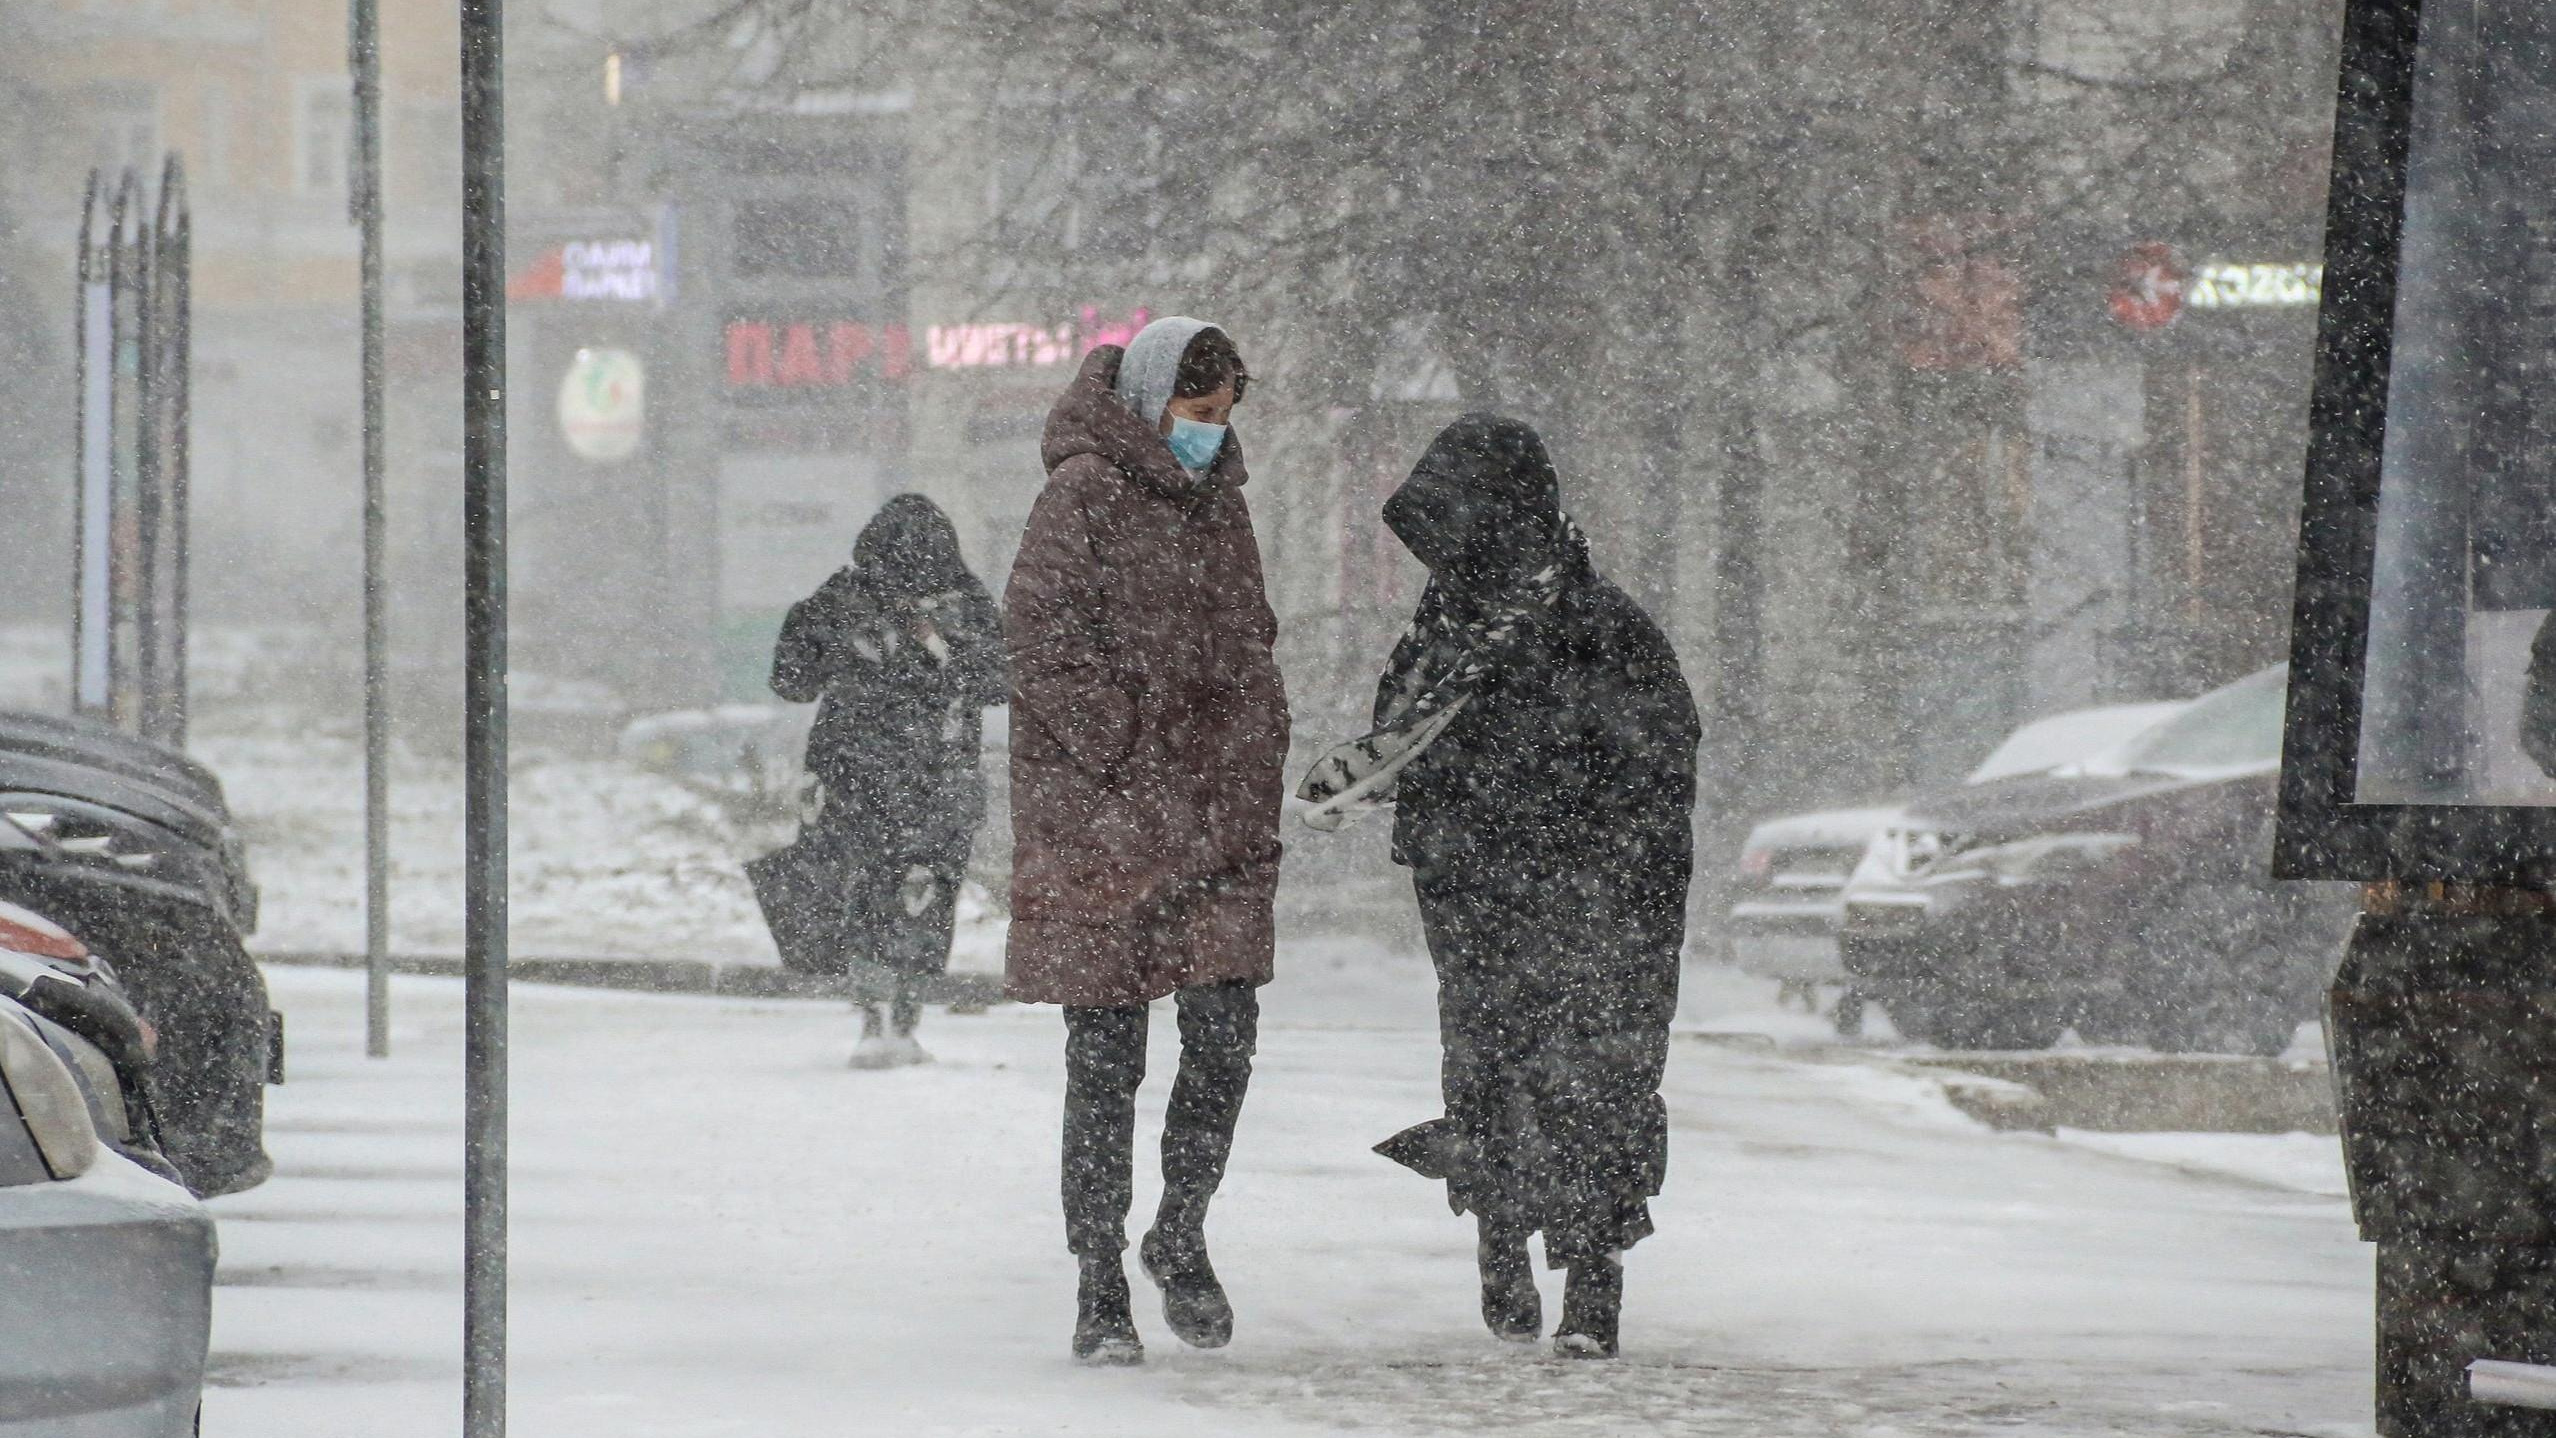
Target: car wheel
[2114,1020]
[1998,1024]
[1892,972]
[2233,981]
[2249,1025]
[1848,1017]
[1910,1018]
[1963,1021]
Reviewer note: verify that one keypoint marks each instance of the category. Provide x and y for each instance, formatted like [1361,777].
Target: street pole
[177,268]
[90,486]
[364,59]
[484,717]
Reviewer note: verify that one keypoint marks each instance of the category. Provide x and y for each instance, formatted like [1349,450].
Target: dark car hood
[2036,803]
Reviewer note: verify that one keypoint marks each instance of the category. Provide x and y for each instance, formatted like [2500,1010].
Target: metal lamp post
[364,194]
[484,715]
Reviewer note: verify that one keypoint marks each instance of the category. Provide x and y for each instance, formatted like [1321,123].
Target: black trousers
[1104,1066]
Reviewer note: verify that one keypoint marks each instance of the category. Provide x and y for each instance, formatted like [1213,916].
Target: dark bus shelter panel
[2428,547]
[2465,559]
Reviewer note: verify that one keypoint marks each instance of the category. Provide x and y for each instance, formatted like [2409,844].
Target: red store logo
[767,355]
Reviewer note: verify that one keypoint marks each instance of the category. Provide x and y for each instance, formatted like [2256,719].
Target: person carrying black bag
[902,652]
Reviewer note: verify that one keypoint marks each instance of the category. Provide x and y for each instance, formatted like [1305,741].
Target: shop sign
[603,405]
[2148,288]
[1004,346]
[765,354]
[622,271]
[2257,287]
[608,270]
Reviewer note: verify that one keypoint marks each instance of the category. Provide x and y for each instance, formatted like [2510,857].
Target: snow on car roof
[2076,737]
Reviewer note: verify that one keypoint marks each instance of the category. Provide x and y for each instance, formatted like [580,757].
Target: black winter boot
[1104,1328]
[1511,1308]
[1194,1303]
[1592,1302]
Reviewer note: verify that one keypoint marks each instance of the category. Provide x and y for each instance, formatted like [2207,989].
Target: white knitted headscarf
[1152,364]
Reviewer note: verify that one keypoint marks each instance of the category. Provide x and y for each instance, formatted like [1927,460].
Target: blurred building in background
[254,98]
[1924,374]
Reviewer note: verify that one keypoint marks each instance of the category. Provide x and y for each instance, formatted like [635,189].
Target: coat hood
[1482,507]
[1089,418]
[1150,369]
[910,548]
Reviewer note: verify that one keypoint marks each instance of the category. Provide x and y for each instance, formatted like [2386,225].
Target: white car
[1793,869]
[106,1272]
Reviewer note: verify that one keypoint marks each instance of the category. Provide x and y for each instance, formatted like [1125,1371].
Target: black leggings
[1104,1065]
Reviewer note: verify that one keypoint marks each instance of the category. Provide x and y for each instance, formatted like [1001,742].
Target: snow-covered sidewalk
[719,1230]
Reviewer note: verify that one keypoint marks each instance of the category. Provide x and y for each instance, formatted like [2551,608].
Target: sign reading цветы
[2255,287]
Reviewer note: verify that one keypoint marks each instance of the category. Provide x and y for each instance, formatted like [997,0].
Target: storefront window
[2465,574]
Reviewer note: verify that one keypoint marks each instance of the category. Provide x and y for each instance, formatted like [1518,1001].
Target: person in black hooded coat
[1537,739]
[902,651]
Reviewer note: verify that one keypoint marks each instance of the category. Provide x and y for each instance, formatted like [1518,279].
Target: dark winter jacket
[902,652]
[1149,725]
[1575,766]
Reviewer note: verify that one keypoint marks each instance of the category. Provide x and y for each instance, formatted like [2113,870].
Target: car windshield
[2226,731]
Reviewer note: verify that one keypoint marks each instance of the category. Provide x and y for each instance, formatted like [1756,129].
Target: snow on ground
[607,859]
[720,1230]
[2305,1162]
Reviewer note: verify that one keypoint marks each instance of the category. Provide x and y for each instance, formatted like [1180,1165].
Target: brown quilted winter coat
[1149,726]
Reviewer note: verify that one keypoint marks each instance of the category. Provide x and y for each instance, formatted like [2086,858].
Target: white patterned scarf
[1451,654]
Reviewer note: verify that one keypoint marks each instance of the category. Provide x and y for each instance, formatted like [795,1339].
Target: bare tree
[1701,244]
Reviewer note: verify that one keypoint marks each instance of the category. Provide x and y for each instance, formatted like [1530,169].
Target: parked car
[1793,870]
[106,1270]
[51,974]
[129,846]
[2129,896]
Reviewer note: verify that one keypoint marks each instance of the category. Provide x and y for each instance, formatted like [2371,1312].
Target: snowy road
[718,1230]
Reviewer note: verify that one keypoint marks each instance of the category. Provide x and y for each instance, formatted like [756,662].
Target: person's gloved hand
[920,889]
[928,635]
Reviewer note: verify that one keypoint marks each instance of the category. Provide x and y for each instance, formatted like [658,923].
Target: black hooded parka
[902,651]
[1548,830]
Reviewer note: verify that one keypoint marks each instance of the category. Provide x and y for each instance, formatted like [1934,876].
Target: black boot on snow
[1511,1308]
[1104,1327]
[1592,1301]
[1194,1303]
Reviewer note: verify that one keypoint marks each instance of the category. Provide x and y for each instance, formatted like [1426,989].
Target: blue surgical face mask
[1195,445]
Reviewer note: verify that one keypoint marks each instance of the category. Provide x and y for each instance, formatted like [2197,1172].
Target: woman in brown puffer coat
[1148,737]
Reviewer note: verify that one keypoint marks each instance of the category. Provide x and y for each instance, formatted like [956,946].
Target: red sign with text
[766,354]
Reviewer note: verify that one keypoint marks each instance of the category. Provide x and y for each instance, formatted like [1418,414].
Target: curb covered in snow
[2134,1092]
[663,976]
